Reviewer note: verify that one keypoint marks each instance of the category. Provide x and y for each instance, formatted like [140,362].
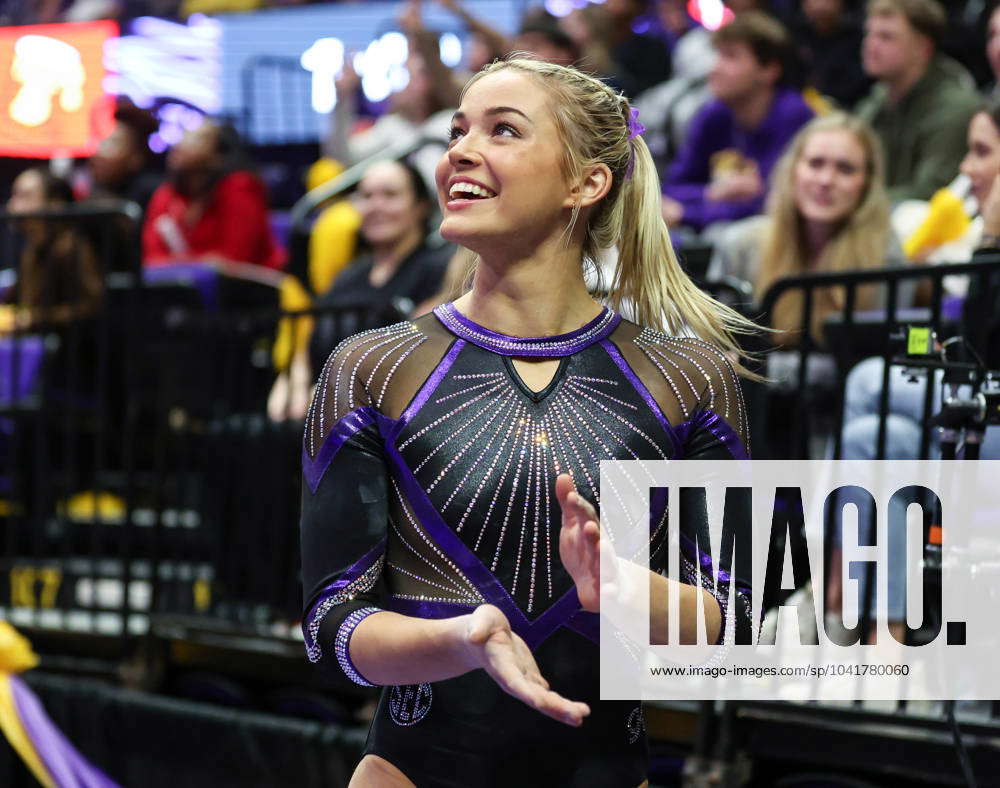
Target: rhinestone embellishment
[410,703]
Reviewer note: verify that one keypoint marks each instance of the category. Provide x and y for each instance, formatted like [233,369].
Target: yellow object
[332,244]
[293,333]
[946,221]
[7,318]
[321,171]
[189,7]
[817,102]
[16,656]
[918,341]
[88,505]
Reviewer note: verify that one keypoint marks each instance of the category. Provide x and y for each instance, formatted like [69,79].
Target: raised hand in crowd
[744,185]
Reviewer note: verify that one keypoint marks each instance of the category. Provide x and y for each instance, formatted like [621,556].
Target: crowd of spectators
[820,136]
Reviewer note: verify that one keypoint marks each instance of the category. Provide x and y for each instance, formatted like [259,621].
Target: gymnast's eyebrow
[494,111]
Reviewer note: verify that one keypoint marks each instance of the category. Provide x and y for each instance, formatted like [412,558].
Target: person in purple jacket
[720,173]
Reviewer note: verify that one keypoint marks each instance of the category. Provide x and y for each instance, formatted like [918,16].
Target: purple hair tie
[635,128]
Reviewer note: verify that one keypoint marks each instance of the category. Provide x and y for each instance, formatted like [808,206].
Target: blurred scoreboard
[53,89]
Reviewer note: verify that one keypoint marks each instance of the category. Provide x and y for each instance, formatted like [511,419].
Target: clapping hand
[583,548]
[504,655]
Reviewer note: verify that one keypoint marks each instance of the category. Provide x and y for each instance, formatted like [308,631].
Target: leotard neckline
[557,345]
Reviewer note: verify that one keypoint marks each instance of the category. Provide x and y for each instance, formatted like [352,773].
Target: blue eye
[505,127]
[455,133]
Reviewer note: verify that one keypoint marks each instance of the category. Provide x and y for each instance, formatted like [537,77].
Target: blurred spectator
[993,48]
[643,59]
[397,271]
[211,206]
[486,44]
[667,108]
[546,40]
[949,227]
[827,211]
[422,109]
[829,40]
[120,168]
[923,100]
[588,27]
[30,12]
[735,140]
[59,278]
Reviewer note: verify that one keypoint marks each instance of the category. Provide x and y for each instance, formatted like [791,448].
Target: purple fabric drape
[68,768]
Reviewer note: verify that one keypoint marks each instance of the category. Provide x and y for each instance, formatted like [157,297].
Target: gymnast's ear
[594,184]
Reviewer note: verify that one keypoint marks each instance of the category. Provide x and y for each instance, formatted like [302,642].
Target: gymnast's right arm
[348,632]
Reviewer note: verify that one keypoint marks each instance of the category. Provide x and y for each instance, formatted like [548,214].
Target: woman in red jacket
[211,206]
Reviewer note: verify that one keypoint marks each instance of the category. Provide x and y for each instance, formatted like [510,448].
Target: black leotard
[429,471]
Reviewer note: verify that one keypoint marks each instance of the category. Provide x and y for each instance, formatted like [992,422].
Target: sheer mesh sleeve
[697,387]
[718,430]
[345,494]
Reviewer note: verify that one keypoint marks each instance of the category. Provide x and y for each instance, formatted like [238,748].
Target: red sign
[52,96]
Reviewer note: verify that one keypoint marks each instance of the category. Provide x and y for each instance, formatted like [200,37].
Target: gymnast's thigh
[374,770]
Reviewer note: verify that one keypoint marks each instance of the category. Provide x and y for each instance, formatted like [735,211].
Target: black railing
[850,335]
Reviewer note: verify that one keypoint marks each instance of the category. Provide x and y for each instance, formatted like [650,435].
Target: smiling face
[501,181]
[830,176]
[390,211]
[982,161]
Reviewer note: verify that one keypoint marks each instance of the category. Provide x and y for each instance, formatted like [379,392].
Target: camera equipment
[970,402]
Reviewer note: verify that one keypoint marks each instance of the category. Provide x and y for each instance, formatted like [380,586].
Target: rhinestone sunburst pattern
[698,375]
[487,456]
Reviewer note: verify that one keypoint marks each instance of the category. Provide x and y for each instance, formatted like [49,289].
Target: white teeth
[463,187]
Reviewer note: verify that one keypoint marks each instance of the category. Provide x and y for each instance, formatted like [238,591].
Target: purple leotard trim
[357,578]
[313,468]
[714,423]
[559,345]
[431,383]
[342,644]
[587,624]
[422,608]
[643,392]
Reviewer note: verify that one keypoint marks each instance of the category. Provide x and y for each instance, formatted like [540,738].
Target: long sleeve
[344,515]
[713,426]
[720,431]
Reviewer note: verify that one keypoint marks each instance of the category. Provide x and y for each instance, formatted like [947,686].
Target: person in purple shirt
[720,173]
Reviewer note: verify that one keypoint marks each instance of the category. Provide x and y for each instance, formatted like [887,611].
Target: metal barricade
[849,337]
